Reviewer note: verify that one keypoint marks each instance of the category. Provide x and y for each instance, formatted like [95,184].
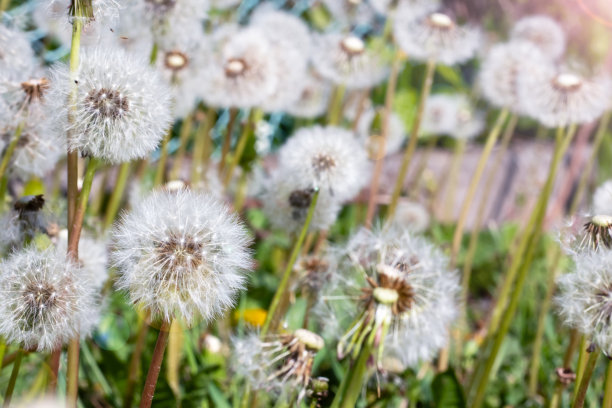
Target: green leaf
[447,391]
[217,396]
[450,75]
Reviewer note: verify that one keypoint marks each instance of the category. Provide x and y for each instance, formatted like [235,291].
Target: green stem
[163,159]
[422,165]
[247,130]
[115,199]
[77,225]
[4,5]
[414,137]
[8,154]
[135,361]
[335,106]
[607,399]
[381,153]
[586,378]
[352,383]
[2,351]
[201,147]
[227,142]
[469,197]
[522,261]
[282,287]
[98,197]
[184,134]
[582,360]
[8,395]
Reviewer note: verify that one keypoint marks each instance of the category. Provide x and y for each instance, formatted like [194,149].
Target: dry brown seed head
[35,88]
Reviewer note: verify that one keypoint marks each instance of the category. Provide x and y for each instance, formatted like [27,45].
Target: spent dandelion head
[501,68]
[543,32]
[326,158]
[45,301]
[397,290]
[347,60]
[181,254]
[560,97]
[585,298]
[242,71]
[436,36]
[122,107]
[278,363]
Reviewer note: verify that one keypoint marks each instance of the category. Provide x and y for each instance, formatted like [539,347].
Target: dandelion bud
[122,108]
[45,300]
[181,254]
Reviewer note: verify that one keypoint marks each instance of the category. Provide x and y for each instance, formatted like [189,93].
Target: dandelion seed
[122,109]
[45,301]
[181,254]
[346,60]
[543,32]
[436,37]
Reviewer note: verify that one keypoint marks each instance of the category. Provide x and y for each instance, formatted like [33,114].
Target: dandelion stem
[382,147]
[163,159]
[11,149]
[4,5]
[586,378]
[54,362]
[115,198]
[521,261]
[335,106]
[75,235]
[247,130]
[422,164]
[469,197]
[135,360]
[414,137]
[480,215]
[156,361]
[352,383]
[184,134]
[451,177]
[8,395]
[282,287]
[581,365]
[201,147]
[227,141]
[607,399]
[2,351]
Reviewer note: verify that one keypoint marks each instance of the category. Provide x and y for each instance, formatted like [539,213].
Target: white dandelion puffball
[242,71]
[412,216]
[287,198]
[558,97]
[412,8]
[452,115]
[327,158]
[350,12]
[436,37]
[181,254]
[501,68]
[602,199]
[347,60]
[407,287]
[45,300]
[181,61]
[543,32]
[279,363]
[585,298]
[290,44]
[122,108]
[93,258]
[17,57]
[369,131]
[314,99]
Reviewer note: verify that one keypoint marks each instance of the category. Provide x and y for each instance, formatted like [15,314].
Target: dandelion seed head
[436,37]
[350,12]
[543,32]
[501,69]
[93,258]
[452,115]
[412,216]
[370,132]
[558,97]
[326,158]
[412,8]
[346,60]
[181,254]
[16,56]
[122,108]
[314,98]
[45,301]
[602,198]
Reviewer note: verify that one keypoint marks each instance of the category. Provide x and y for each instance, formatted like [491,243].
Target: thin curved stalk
[586,378]
[273,311]
[382,148]
[156,361]
[522,261]
[607,398]
[581,365]
[469,197]
[414,137]
[335,106]
[184,134]
[117,194]
[245,135]
[10,388]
